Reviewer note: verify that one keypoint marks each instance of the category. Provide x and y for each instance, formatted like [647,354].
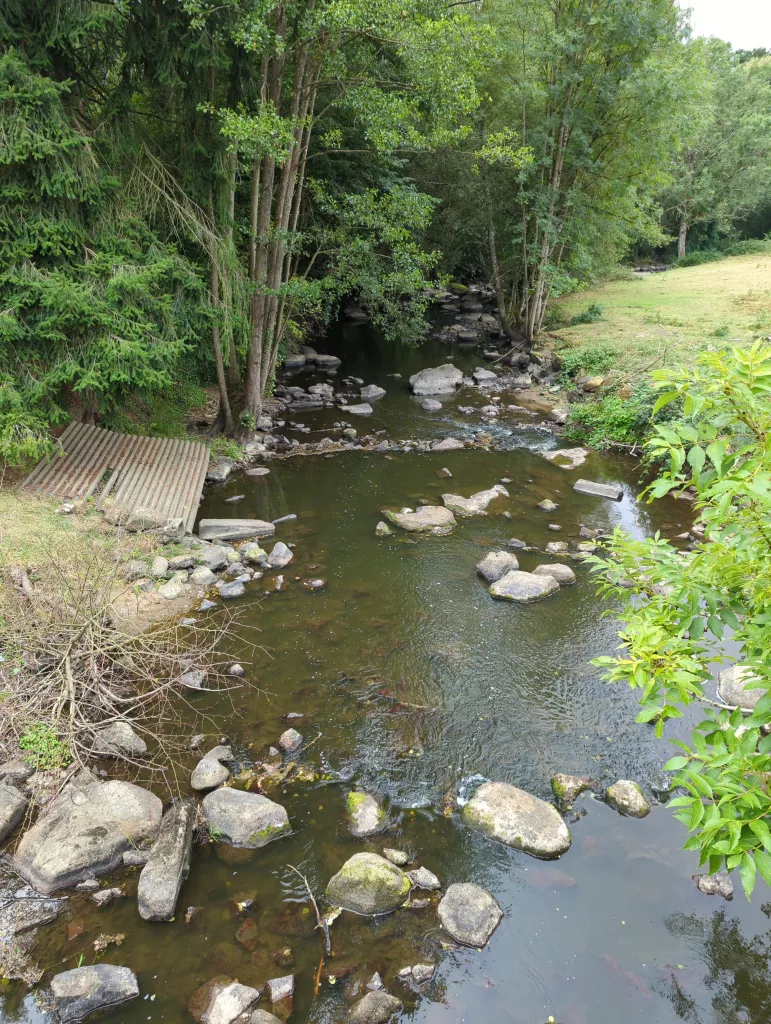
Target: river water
[615,929]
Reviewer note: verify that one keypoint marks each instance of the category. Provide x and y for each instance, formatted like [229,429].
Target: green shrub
[44,750]
[748,247]
[695,259]
[590,358]
[612,419]
[591,315]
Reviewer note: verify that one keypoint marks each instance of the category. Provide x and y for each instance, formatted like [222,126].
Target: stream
[415,685]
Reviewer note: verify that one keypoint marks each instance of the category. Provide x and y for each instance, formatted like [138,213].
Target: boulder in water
[469,914]
[523,587]
[567,458]
[719,884]
[222,1001]
[368,884]
[547,505]
[360,409]
[372,392]
[374,1008]
[511,816]
[245,819]
[430,405]
[234,529]
[627,798]
[731,687]
[567,788]
[432,519]
[477,504]
[365,815]
[280,556]
[447,444]
[496,564]
[613,491]
[83,991]
[118,740]
[422,878]
[437,380]
[563,574]
[168,864]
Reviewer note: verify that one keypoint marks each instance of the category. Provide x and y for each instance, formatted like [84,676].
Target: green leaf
[747,874]
[662,400]
[763,864]
[674,764]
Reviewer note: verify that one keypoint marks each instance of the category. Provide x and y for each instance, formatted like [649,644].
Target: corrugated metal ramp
[162,474]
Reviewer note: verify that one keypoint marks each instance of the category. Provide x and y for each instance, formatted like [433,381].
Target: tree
[678,609]
[723,170]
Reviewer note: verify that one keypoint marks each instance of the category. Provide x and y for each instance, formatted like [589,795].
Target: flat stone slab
[361,409]
[368,884]
[518,819]
[597,490]
[523,587]
[78,993]
[477,504]
[85,831]
[431,519]
[469,914]
[168,864]
[731,687]
[245,819]
[234,529]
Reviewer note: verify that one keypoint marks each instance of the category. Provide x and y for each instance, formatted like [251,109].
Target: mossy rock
[368,884]
[511,816]
[365,815]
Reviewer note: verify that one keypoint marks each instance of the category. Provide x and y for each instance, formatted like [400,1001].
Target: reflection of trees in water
[738,970]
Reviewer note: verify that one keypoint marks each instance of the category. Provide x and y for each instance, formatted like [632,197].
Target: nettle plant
[678,608]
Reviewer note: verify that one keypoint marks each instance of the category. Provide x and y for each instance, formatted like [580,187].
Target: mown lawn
[667,318]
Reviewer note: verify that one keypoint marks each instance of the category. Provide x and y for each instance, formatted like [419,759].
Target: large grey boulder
[365,815]
[719,884]
[228,1001]
[220,470]
[523,587]
[263,1017]
[496,564]
[520,820]
[78,993]
[368,884]
[294,360]
[484,377]
[12,807]
[731,687]
[628,799]
[477,504]
[280,556]
[437,380]
[359,409]
[168,864]
[431,519]
[563,574]
[372,392]
[245,819]
[469,914]
[210,772]
[234,529]
[447,444]
[613,491]
[118,740]
[84,831]
[431,405]
[374,1008]
[213,556]
[327,362]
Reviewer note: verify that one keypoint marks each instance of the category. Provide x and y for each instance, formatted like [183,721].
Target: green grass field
[667,318]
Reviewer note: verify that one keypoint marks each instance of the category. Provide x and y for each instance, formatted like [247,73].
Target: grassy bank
[639,323]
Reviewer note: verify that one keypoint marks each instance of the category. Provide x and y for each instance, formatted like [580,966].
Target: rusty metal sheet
[162,474]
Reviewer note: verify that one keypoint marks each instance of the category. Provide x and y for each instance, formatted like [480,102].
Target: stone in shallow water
[613,491]
[574,457]
[496,564]
[447,444]
[383,530]
[168,864]
[719,884]
[563,574]
[436,380]
[556,547]
[362,409]
[118,740]
[243,819]
[365,815]
[228,591]
[290,741]
[372,392]
[523,587]
[422,878]
[520,820]
[469,914]
[83,991]
[477,504]
[85,831]
[234,529]
[398,857]
[222,1001]
[368,884]
[431,519]
[208,774]
[431,405]
[568,788]
[627,798]
[280,556]
[547,505]
[374,1008]
[731,687]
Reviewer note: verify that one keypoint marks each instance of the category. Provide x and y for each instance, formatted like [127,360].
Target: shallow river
[615,930]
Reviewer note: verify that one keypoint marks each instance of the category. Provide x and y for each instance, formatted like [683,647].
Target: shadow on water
[413,682]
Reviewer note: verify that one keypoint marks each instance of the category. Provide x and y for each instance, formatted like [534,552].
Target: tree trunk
[226,414]
[681,236]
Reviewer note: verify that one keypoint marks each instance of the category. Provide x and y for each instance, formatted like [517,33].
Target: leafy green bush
[44,750]
[614,419]
[593,313]
[677,609]
[748,247]
[699,256]
[591,359]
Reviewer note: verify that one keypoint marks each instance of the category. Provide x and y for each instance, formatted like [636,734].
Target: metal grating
[162,474]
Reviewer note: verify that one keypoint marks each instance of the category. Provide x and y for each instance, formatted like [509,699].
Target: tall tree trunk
[681,236]
[234,374]
[225,413]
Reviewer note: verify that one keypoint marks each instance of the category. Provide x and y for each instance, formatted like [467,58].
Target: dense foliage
[679,608]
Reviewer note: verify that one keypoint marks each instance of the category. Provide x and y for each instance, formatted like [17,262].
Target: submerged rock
[372,392]
[168,864]
[469,914]
[511,816]
[613,491]
[567,788]
[437,380]
[496,564]
[719,884]
[383,530]
[85,831]
[477,504]
[12,807]
[398,857]
[523,587]
[83,991]
[731,687]
[365,815]
[430,405]
[244,819]
[574,457]
[374,1008]
[563,574]
[431,519]
[556,547]
[627,798]
[368,884]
